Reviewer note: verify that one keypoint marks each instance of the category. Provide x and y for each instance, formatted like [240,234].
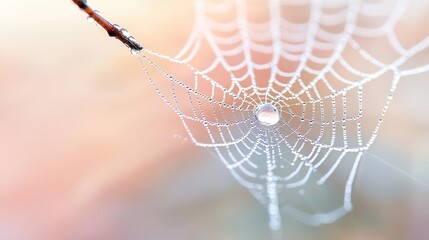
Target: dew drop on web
[267,114]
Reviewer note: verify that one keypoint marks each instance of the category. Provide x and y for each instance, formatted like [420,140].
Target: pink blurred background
[89,151]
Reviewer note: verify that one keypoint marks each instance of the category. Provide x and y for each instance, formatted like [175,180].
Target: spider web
[314,61]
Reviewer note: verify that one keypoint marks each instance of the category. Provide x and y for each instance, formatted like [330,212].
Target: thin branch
[112,29]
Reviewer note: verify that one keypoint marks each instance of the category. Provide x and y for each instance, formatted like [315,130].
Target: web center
[267,114]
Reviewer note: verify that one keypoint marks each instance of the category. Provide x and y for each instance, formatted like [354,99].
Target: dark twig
[112,29]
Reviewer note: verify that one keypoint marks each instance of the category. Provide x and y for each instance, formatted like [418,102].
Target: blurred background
[89,151]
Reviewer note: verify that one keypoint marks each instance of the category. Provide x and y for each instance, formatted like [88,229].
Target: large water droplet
[267,114]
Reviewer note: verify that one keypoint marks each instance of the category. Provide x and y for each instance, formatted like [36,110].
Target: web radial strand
[318,68]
